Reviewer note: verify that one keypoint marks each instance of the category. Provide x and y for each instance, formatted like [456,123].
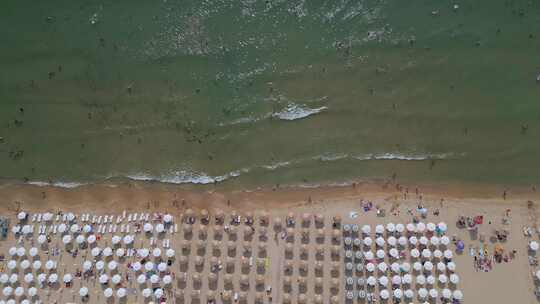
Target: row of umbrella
[391,227]
[402,241]
[405,279]
[404,267]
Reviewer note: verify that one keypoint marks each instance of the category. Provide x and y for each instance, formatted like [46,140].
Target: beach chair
[34,218]
[175,228]
[127,228]
[129,218]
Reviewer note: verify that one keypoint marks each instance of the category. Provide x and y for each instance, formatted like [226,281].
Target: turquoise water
[267,92]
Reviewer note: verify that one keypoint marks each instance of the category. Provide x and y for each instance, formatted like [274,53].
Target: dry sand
[510,282]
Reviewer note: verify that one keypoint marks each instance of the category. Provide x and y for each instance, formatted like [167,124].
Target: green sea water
[270,92]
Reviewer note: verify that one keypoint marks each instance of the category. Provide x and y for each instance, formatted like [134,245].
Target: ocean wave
[277,165]
[68,185]
[294,112]
[401,156]
[187,177]
[331,156]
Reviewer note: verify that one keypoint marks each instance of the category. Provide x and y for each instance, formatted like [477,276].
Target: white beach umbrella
[33,251]
[53,278]
[370,267]
[384,294]
[443,278]
[107,293]
[32,291]
[424,240]
[380,254]
[366,229]
[409,294]
[382,266]
[154,279]
[448,254]
[413,240]
[417,266]
[116,239]
[398,293]
[383,281]
[100,265]
[87,229]
[167,279]
[441,266]
[107,251]
[158,293]
[435,241]
[396,280]
[437,253]
[12,264]
[12,251]
[367,241]
[74,228]
[136,266]
[167,218]
[458,295]
[422,293]
[4,278]
[80,239]
[431,227]
[29,278]
[62,228]
[156,252]
[160,228]
[392,241]
[149,266]
[421,279]
[433,293]
[406,267]
[411,227]
[426,253]
[402,241]
[21,251]
[14,278]
[42,277]
[121,292]
[7,291]
[21,216]
[379,229]
[147,292]
[430,279]
[368,255]
[442,226]
[395,267]
[394,253]
[170,253]
[87,265]
[371,281]
[128,239]
[16,229]
[19,291]
[95,251]
[415,253]
[148,227]
[41,239]
[26,229]
[120,252]
[83,291]
[112,265]
[141,279]
[400,228]
[428,266]
[451,266]
[68,278]
[162,267]
[47,216]
[380,241]
[66,239]
[70,217]
[25,264]
[445,240]
[116,279]
[91,239]
[446,293]
[143,252]
[103,279]
[454,278]
[420,227]
[390,227]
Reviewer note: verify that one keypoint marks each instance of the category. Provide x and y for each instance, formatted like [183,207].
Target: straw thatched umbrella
[205,217]
[302,298]
[287,282]
[228,279]
[319,282]
[277,223]
[286,298]
[203,232]
[226,295]
[219,216]
[210,295]
[212,277]
[187,228]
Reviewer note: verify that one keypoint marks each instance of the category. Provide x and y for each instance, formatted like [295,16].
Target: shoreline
[156,195]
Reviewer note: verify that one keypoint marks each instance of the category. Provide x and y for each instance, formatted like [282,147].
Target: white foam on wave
[186,177]
[276,165]
[68,185]
[294,112]
[331,156]
[401,156]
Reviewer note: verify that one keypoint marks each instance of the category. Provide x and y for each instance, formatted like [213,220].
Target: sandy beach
[511,280]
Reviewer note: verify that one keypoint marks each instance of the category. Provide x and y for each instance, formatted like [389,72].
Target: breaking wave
[294,112]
